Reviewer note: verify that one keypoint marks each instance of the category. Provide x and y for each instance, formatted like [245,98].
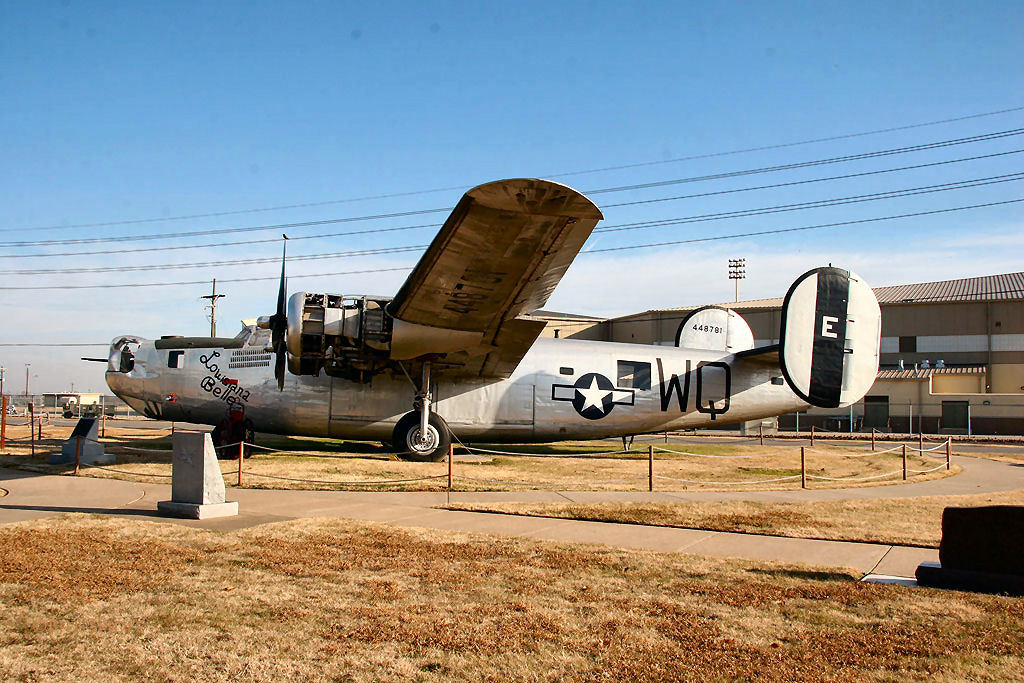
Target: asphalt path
[28,496]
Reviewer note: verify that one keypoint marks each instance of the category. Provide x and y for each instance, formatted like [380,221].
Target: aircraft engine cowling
[345,336]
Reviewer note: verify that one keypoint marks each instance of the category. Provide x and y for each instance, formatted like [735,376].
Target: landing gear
[411,443]
[421,435]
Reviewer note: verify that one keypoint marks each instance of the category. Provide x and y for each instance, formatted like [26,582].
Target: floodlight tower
[737,272]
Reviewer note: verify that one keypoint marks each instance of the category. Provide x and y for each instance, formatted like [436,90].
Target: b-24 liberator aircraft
[457,353]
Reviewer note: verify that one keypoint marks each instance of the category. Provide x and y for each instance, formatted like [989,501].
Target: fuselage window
[633,374]
[175,359]
[565,371]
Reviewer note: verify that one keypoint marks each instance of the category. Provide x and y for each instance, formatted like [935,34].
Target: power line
[51,344]
[641,164]
[666,315]
[663,183]
[436,225]
[642,225]
[819,162]
[592,251]
[855,199]
[821,226]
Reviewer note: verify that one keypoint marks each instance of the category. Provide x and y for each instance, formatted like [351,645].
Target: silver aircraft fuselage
[562,389]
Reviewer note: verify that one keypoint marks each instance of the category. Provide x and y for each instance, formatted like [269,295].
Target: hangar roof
[1005,287]
[911,373]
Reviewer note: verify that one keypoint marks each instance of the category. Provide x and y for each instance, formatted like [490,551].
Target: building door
[954,415]
[876,412]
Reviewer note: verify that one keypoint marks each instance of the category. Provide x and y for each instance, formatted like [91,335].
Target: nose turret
[126,370]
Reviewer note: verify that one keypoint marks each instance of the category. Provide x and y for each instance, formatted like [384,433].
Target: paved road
[31,496]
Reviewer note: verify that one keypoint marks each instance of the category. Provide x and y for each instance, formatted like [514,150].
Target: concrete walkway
[31,496]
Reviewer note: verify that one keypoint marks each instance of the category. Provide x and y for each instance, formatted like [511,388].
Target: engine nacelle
[345,336]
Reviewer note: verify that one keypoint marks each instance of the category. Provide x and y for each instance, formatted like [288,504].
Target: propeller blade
[282,290]
[279,322]
[95,360]
[279,369]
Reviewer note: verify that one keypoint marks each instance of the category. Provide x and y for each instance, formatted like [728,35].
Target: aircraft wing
[499,256]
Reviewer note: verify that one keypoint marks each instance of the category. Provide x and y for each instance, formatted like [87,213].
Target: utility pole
[737,272]
[2,371]
[213,296]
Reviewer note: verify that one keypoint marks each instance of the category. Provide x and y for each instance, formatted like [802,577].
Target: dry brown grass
[900,521]
[331,464]
[112,599]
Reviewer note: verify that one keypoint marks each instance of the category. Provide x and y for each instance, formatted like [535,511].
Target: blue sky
[134,111]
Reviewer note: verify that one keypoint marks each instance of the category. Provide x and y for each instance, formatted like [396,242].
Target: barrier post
[949,447]
[650,467]
[32,428]
[241,455]
[904,462]
[3,423]
[78,453]
[103,418]
[872,438]
[451,456]
[39,429]
[812,436]
[760,432]
[666,436]
[920,442]
[803,470]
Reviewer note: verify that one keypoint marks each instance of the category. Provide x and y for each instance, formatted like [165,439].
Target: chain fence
[452,476]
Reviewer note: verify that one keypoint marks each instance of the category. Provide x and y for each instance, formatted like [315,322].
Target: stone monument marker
[85,440]
[197,486]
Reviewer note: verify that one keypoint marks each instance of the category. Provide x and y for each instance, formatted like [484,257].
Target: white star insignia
[594,396]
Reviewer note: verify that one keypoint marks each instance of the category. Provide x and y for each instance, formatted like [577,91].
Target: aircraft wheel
[406,438]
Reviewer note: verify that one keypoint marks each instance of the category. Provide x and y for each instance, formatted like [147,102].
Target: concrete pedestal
[197,486]
[84,439]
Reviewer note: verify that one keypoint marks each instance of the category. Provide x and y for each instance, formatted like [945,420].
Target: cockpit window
[634,374]
[175,359]
[122,357]
[127,363]
[259,338]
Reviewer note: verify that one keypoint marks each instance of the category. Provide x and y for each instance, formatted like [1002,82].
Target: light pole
[26,380]
[213,296]
[737,272]
[2,371]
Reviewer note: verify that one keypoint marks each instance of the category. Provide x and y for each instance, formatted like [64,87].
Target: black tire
[405,438]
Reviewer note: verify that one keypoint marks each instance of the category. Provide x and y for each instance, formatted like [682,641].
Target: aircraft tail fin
[831,336]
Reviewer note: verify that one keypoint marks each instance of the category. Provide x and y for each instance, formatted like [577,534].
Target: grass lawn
[899,521]
[100,598]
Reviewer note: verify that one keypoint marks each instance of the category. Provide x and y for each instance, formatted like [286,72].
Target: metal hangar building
[952,354]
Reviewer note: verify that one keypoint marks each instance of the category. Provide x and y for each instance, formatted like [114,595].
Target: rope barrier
[853,455]
[729,483]
[472,450]
[136,474]
[344,483]
[876,476]
[723,457]
[544,483]
[937,467]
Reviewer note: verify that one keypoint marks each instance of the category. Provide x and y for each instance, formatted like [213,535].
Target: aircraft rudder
[830,337]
